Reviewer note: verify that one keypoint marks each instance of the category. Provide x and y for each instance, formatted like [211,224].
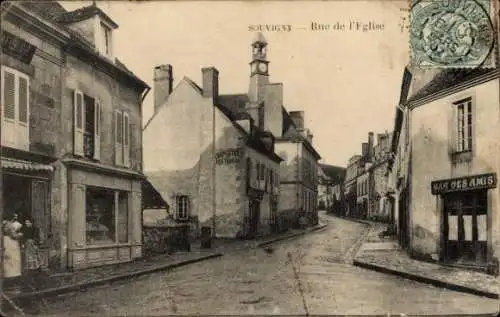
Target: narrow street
[304,275]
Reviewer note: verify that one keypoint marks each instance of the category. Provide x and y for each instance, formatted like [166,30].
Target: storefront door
[465,227]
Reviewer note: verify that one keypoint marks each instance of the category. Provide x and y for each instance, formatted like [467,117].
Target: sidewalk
[55,284]
[385,255]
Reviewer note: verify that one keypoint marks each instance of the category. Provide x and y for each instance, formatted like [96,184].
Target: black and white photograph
[250,158]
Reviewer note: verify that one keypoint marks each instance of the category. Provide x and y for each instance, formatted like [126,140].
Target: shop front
[466,219]
[104,216]
[26,196]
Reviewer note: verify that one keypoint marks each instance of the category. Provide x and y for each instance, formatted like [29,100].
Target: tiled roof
[49,10]
[53,11]
[234,104]
[447,79]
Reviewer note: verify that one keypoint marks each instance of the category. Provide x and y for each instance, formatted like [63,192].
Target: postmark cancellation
[452,33]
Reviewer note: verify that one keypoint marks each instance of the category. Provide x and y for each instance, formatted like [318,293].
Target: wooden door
[40,212]
[465,223]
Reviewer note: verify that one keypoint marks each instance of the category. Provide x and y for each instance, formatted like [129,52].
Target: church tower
[259,68]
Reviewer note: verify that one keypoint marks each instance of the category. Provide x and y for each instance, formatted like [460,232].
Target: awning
[15,164]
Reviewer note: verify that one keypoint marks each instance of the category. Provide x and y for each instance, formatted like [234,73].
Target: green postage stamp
[452,33]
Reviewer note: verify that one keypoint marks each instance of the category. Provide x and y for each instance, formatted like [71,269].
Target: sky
[346,81]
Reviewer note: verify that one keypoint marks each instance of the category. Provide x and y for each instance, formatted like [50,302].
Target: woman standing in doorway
[31,254]
[12,251]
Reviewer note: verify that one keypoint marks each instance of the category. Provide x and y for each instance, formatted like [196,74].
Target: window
[16,110]
[182,211]
[122,138]
[100,216]
[122,217]
[106,40]
[464,125]
[86,126]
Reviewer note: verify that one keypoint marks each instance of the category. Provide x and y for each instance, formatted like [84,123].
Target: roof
[54,12]
[449,78]
[83,14]
[151,198]
[335,173]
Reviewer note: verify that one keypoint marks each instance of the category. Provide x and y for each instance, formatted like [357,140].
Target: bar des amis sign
[464,183]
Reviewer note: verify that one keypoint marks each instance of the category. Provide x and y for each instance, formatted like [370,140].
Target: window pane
[119,128]
[9,95]
[100,216]
[123,217]
[79,111]
[125,130]
[23,100]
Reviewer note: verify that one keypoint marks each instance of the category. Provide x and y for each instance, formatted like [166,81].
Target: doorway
[465,227]
[403,232]
[254,216]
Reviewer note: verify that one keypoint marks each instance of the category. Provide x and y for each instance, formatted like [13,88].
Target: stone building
[71,134]
[446,165]
[215,163]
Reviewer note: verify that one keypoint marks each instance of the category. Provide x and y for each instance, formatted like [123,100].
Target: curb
[110,279]
[295,235]
[426,280]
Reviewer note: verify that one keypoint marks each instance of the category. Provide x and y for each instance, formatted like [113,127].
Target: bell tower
[259,67]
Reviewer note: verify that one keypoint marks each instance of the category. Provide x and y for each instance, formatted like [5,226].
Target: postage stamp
[452,34]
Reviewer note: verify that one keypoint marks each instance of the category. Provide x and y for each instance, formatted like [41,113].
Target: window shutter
[9,95]
[97,129]
[78,123]
[23,100]
[126,140]
[118,138]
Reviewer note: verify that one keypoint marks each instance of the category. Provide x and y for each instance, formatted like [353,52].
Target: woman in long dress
[12,251]
[31,254]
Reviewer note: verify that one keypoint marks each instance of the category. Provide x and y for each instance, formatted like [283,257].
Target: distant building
[445,170]
[212,157]
[71,134]
[328,177]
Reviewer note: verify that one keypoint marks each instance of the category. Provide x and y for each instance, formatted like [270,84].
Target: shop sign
[229,156]
[464,183]
[17,47]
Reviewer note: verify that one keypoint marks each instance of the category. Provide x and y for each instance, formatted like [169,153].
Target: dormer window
[106,48]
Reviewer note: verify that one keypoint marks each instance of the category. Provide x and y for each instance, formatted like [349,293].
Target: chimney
[210,82]
[364,149]
[163,81]
[298,119]
[370,144]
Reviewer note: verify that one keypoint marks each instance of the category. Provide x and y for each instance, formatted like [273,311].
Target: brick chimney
[210,82]
[163,81]
[298,119]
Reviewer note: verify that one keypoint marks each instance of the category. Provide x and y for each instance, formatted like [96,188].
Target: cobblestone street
[309,274]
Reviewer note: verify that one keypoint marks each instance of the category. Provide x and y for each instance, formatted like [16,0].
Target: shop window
[100,216]
[86,126]
[464,125]
[182,211]
[123,214]
[16,109]
[122,138]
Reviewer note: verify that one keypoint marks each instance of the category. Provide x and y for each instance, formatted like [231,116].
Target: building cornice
[494,74]
[104,169]
[36,25]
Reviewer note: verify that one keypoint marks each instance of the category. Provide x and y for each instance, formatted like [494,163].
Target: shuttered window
[122,138]
[15,107]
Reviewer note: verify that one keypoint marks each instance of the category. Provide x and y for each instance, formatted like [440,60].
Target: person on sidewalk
[31,253]
[12,253]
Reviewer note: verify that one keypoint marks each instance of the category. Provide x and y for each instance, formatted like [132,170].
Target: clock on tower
[259,63]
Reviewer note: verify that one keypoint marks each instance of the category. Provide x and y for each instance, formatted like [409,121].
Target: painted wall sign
[17,47]
[230,156]
[464,183]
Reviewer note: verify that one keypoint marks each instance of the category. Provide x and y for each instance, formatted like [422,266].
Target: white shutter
[78,123]
[9,107]
[118,138]
[126,140]
[97,129]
